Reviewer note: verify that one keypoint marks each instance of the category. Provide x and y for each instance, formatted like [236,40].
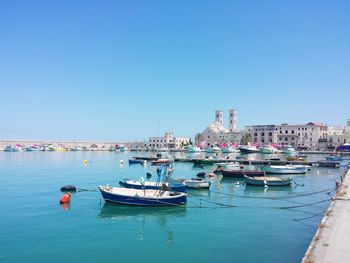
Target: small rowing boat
[267,181]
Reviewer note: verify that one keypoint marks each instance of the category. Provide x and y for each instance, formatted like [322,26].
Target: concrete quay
[331,241]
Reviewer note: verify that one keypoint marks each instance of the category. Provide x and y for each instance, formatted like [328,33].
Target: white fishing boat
[213,149]
[228,165]
[284,169]
[195,183]
[229,149]
[193,149]
[268,149]
[290,150]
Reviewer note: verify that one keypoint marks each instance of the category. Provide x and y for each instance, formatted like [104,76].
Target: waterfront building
[216,133]
[168,141]
[263,133]
[308,135]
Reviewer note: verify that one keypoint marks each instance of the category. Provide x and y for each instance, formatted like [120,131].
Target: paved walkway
[331,242]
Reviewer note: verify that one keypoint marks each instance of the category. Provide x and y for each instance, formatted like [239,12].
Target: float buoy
[202,174]
[85,162]
[65,198]
[121,161]
[68,188]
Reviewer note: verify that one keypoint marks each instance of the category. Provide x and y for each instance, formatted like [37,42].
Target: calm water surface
[249,226]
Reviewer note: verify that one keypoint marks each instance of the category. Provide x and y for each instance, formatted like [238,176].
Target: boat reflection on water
[119,212]
[148,215]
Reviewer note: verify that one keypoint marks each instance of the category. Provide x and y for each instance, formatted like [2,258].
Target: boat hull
[135,161]
[196,183]
[248,150]
[175,199]
[205,162]
[295,170]
[268,181]
[241,173]
[152,185]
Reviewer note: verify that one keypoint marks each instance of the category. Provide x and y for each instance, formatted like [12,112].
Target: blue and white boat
[145,197]
[173,186]
[285,169]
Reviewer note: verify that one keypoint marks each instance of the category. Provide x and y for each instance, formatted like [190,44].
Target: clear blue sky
[126,70]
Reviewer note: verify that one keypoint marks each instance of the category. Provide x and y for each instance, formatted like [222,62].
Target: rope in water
[294,195]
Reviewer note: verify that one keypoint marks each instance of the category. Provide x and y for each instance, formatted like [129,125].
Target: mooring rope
[294,195]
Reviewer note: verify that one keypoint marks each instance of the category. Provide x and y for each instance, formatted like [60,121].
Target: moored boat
[229,149]
[193,149]
[203,162]
[334,158]
[268,149]
[10,148]
[173,186]
[228,165]
[248,149]
[195,183]
[213,149]
[160,161]
[133,161]
[285,169]
[143,197]
[290,150]
[240,173]
[267,181]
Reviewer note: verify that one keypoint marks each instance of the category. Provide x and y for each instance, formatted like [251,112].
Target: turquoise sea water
[260,227]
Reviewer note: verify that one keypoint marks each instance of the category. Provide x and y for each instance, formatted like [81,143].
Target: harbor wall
[332,238]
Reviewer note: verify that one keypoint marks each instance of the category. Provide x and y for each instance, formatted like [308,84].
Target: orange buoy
[65,198]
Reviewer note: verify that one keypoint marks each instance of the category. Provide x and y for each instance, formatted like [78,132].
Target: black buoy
[68,188]
[149,175]
[202,174]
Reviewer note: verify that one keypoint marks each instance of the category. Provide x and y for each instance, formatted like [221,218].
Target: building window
[255,134]
[292,131]
[286,139]
[286,131]
[270,133]
[262,134]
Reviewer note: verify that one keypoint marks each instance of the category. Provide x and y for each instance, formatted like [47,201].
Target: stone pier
[331,242]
